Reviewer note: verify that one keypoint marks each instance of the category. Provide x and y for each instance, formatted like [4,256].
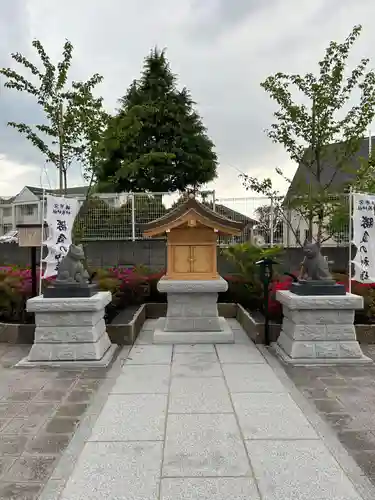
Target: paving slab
[344,397]
[209,489]
[298,470]
[197,358]
[204,445]
[150,355]
[237,353]
[208,421]
[116,471]
[271,416]
[196,368]
[33,437]
[199,395]
[131,417]
[251,378]
[192,348]
[143,379]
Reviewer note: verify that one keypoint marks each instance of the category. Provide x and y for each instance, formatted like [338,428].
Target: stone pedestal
[70,332]
[192,314]
[319,330]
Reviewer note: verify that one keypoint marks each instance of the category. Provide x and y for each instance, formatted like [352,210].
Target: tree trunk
[61,152]
[65,181]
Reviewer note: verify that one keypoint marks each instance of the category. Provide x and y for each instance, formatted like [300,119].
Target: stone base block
[192,286]
[192,304]
[363,360]
[223,336]
[80,338]
[74,305]
[319,330]
[192,324]
[82,351]
[69,319]
[70,334]
[71,365]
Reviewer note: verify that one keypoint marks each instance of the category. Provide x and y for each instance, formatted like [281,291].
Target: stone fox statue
[71,270]
[314,265]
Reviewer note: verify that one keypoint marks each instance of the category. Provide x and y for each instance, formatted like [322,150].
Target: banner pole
[350,238]
[42,243]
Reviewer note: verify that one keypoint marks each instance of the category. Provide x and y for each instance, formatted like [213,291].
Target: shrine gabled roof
[204,214]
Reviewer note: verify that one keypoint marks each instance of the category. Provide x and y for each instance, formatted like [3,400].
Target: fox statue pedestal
[70,332]
[319,329]
[318,324]
[70,328]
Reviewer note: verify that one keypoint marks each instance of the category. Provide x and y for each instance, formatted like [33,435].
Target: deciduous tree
[319,131]
[59,138]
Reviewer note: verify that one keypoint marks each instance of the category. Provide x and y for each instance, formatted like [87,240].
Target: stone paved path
[345,398]
[39,413]
[203,422]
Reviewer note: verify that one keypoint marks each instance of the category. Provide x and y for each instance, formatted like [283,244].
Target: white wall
[298,223]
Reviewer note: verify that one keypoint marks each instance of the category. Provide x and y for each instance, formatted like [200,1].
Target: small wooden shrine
[192,230]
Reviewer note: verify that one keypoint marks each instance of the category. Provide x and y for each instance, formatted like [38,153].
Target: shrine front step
[223,335]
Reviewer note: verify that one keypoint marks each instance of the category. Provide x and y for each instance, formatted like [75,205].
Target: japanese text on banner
[60,217]
[364,237]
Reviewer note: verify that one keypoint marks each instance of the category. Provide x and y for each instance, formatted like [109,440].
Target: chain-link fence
[267,222]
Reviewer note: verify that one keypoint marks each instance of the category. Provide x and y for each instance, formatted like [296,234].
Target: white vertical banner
[364,237]
[60,216]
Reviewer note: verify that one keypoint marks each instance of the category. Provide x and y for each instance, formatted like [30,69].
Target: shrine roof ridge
[193,204]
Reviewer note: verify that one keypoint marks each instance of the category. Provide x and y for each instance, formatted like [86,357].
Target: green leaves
[157,141]
[74,118]
[318,132]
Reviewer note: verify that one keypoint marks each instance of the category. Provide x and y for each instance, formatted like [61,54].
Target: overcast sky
[220,49]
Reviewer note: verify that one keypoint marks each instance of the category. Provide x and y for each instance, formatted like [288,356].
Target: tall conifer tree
[157,141]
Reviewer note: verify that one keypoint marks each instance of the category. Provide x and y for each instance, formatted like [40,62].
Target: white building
[332,180]
[26,206]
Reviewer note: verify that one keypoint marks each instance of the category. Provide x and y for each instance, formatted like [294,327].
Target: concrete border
[126,333]
[360,481]
[65,466]
[254,328]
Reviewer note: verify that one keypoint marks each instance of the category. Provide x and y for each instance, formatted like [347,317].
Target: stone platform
[319,330]
[70,332]
[223,334]
[203,422]
[192,314]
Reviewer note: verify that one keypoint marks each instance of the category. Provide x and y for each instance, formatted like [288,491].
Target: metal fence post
[133,216]
[271,222]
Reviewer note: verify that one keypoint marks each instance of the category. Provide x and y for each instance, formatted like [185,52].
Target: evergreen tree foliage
[157,141]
